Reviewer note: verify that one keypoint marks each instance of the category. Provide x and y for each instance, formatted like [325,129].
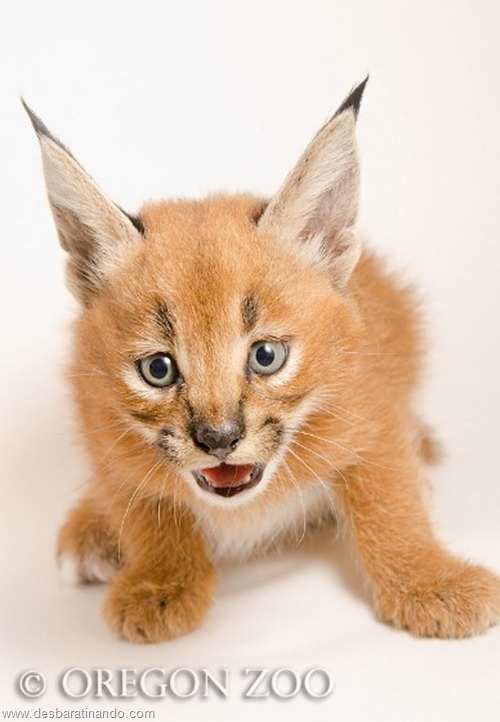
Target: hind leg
[87,550]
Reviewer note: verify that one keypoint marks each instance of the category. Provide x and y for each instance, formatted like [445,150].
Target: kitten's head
[210,330]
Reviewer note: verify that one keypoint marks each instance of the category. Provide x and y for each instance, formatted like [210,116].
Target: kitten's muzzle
[229,479]
[218,441]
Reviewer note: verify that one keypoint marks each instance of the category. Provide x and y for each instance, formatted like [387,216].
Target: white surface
[182,98]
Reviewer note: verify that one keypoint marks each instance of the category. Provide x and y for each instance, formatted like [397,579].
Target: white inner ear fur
[72,191]
[318,202]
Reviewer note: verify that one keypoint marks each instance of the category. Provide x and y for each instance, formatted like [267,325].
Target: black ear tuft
[353,100]
[41,129]
[95,232]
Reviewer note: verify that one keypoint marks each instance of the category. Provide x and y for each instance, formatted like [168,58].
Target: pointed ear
[93,230]
[318,202]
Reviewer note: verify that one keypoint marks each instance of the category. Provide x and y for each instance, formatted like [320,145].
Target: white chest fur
[233,534]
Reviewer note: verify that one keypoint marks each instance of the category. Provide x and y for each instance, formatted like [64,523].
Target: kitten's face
[211,331]
[213,343]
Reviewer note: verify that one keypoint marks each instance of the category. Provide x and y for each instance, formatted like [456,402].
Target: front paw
[87,550]
[456,600]
[142,610]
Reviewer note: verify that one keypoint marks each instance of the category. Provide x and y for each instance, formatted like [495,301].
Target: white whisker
[366,353]
[137,490]
[129,476]
[351,452]
[128,430]
[100,429]
[332,503]
[327,410]
[327,461]
[85,375]
[176,507]
[299,491]
[160,498]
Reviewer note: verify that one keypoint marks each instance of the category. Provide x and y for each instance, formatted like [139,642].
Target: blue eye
[267,357]
[158,370]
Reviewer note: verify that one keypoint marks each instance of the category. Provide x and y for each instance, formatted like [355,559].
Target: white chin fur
[85,571]
[230,534]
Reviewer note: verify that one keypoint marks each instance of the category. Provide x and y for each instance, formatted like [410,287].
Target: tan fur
[351,445]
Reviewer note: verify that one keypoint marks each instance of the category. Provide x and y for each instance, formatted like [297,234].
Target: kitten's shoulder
[390,309]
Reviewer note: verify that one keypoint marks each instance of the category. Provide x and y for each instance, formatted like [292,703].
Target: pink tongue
[227,475]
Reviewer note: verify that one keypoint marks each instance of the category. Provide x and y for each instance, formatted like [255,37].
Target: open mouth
[229,479]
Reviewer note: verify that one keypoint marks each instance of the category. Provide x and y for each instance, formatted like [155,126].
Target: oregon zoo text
[283,683]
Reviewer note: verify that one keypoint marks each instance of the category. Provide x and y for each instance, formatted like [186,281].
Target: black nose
[219,441]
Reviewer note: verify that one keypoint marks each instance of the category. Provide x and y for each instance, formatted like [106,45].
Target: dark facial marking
[164,320]
[271,421]
[166,431]
[277,429]
[249,312]
[167,448]
[146,417]
[192,417]
[293,398]
[190,412]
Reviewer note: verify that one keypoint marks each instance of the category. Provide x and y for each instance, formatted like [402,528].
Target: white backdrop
[171,98]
